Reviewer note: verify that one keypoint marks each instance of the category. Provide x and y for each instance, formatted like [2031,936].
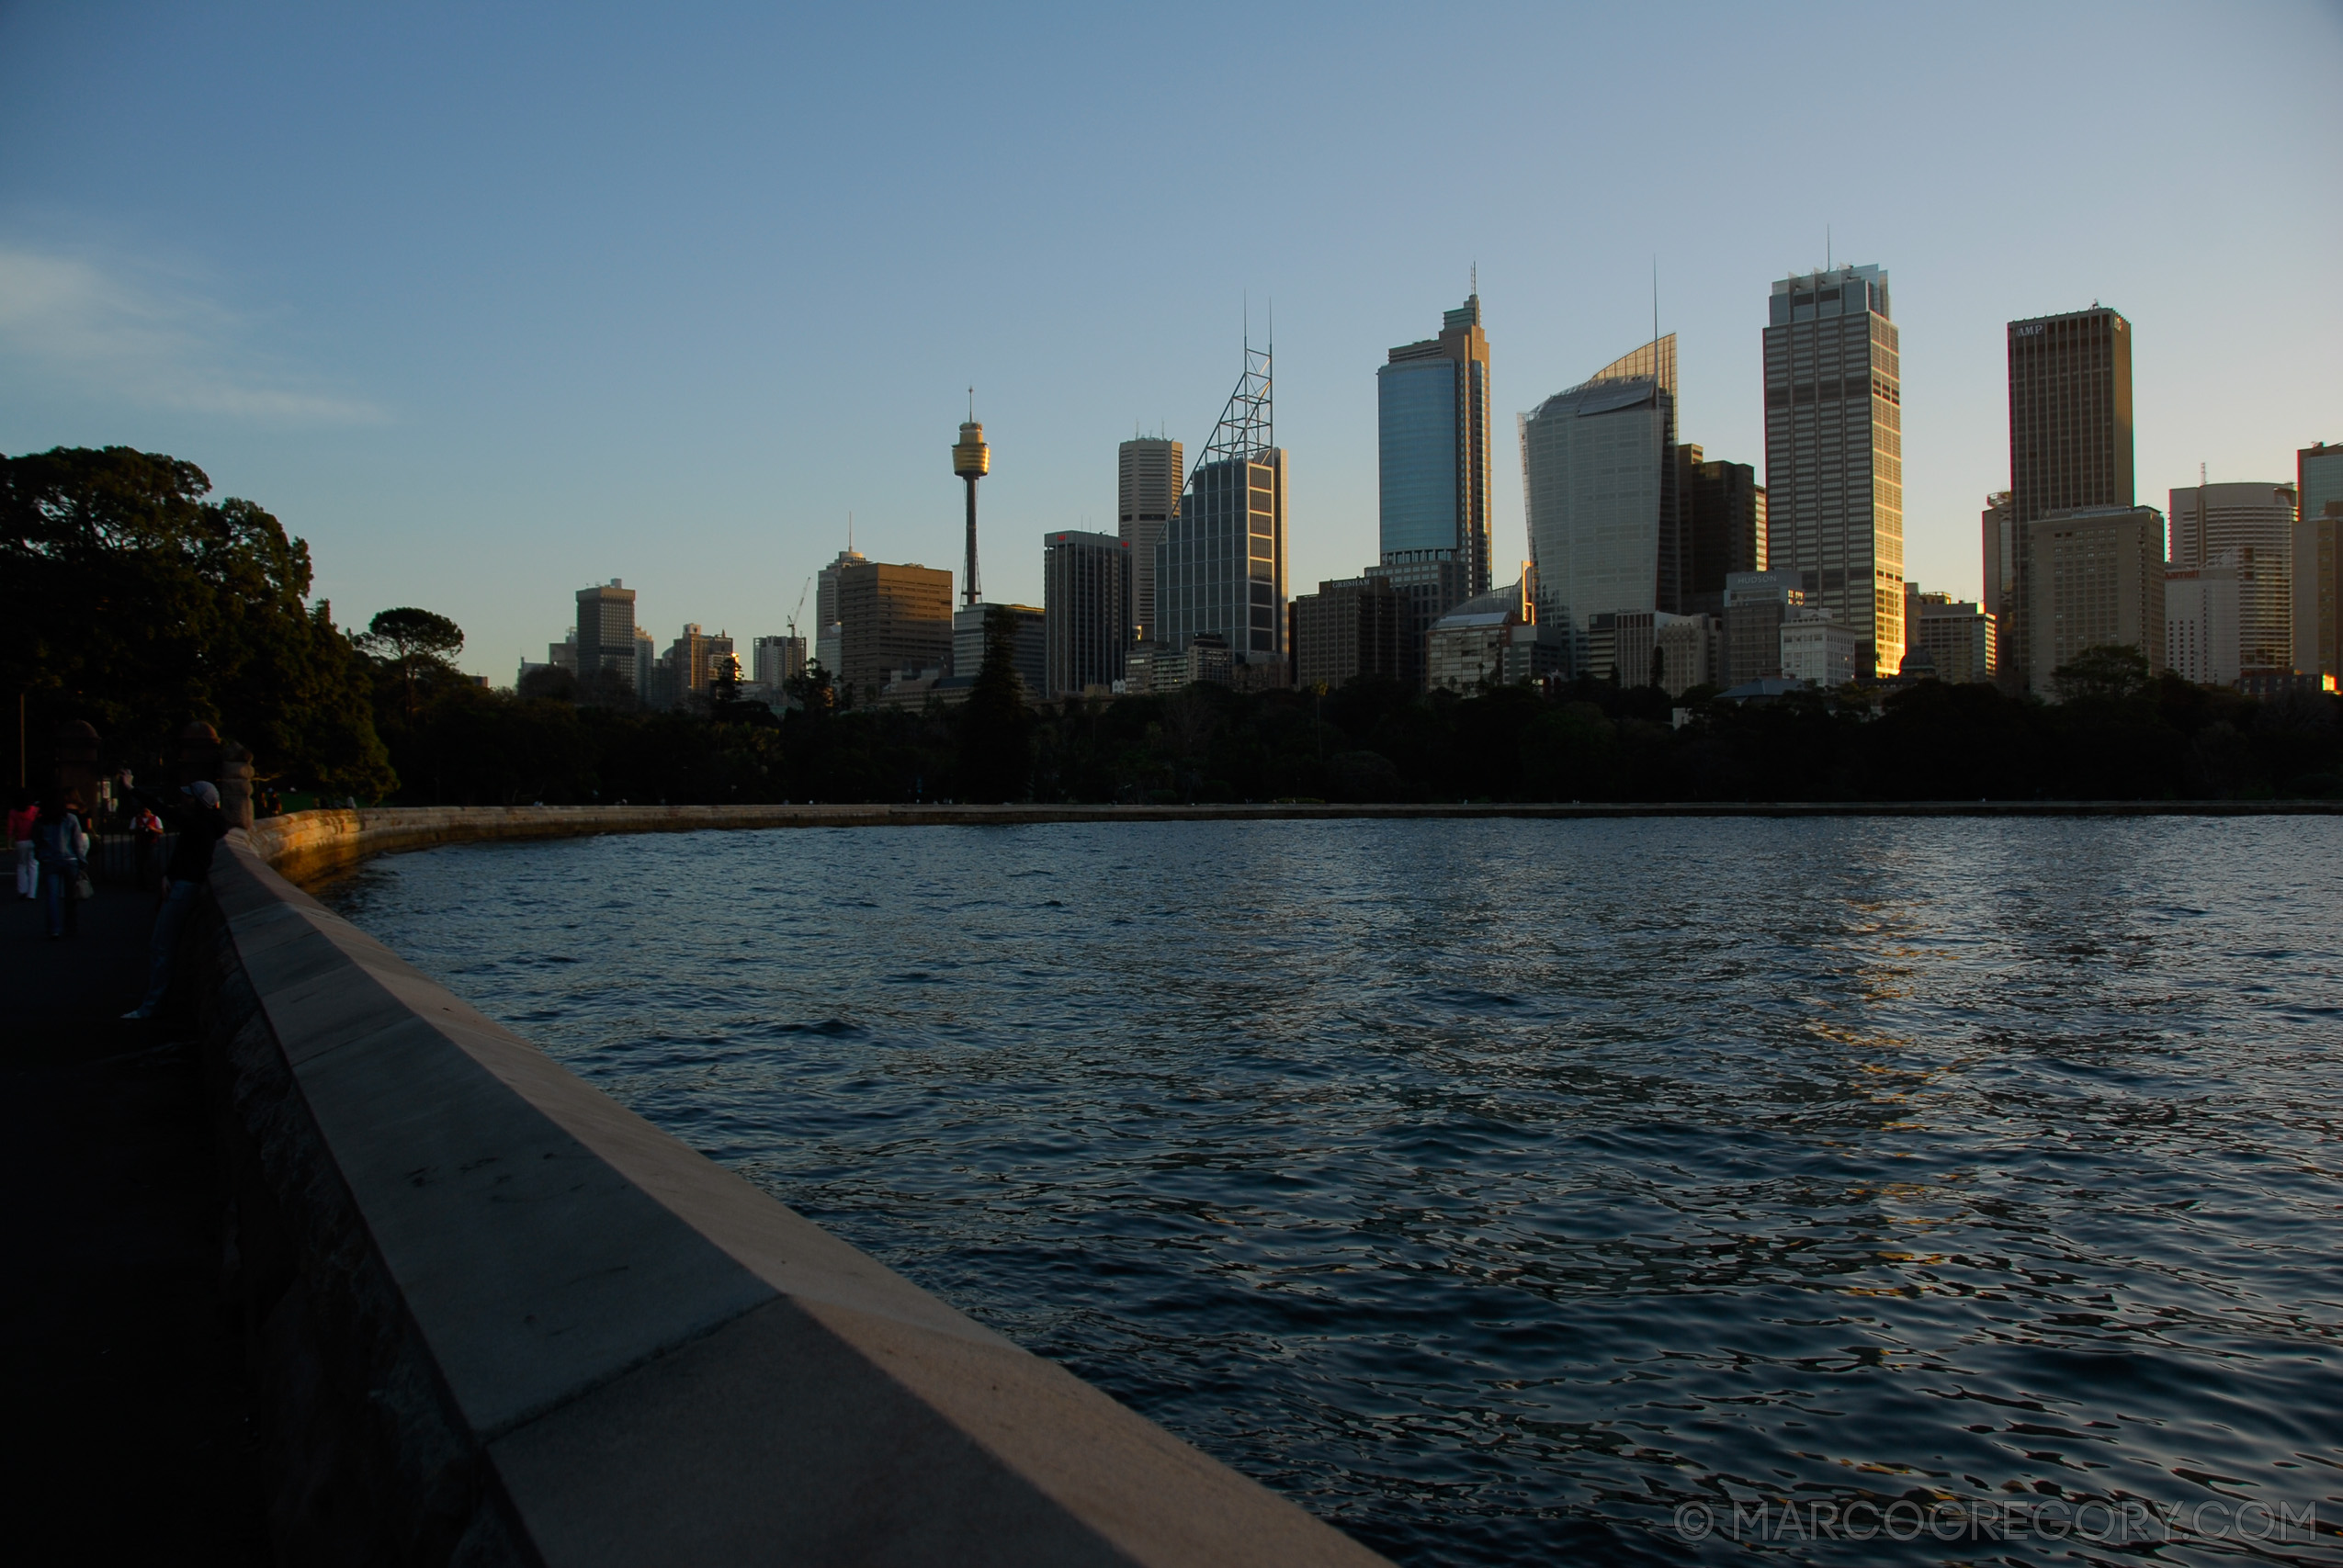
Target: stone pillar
[195,754]
[235,784]
[76,775]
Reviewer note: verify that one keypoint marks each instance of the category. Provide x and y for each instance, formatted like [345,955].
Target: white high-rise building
[1147,490]
[2200,641]
[1598,480]
[776,661]
[1818,648]
[1834,452]
[2249,527]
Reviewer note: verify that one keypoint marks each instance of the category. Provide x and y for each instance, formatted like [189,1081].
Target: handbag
[84,887]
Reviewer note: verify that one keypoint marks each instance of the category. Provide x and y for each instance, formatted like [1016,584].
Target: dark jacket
[52,843]
[200,827]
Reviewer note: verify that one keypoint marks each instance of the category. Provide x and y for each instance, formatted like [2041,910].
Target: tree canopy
[409,639]
[130,600]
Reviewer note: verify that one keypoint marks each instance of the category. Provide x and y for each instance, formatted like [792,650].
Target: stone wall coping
[656,1360]
[306,845]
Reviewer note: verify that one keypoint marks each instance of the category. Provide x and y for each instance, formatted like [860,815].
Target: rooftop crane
[800,609]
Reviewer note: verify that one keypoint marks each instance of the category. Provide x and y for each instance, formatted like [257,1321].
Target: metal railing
[114,859]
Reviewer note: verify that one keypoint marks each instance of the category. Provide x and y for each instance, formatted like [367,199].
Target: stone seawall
[496,1318]
[306,845]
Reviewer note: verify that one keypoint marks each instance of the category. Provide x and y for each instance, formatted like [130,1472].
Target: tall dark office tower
[1220,566]
[890,617]
[1433,419]
[1086,610]
[1834,452]
[607,636]
[1147,494]
[1348,629]
[2318,559]
[1723,527]
[2070,441]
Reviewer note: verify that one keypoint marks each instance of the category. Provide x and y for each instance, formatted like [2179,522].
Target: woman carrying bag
[62,850]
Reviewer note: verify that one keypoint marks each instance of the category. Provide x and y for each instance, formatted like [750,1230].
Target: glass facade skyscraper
[1834,452]
[1086,598]
[1599,474]
[1433,403]
[1220,568]
[1220,565]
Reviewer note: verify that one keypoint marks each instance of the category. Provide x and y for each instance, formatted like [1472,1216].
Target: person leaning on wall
[194,813]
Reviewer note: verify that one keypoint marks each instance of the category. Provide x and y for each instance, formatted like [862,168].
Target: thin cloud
[116,338]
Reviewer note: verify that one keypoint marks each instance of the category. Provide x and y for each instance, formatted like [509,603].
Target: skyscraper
[2318,559]
[1599,472]
[693,662]
[2070,445]
[1959,639]
[1756,605]
[1995,528]
[1834,452]
[607,635]
[889,618]
[2201,640]
[2098,582]
[1345,630]
[1086,606]
[1220,565]
[972,637]
[1433,403]
[776,661]
[2249,527]
[1723,527]
[1148,474]
[828,650]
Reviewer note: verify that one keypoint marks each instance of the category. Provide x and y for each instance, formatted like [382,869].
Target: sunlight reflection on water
[1494,1187]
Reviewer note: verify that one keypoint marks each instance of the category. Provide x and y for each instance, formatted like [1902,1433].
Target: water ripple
[1495,1188]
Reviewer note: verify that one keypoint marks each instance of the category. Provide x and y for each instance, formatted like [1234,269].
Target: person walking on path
[62,851]
[196,814]
[22,814]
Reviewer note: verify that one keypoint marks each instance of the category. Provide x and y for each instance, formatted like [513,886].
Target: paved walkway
[120,1360]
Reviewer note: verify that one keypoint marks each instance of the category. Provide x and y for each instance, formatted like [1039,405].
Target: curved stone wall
[499,1318]
[304,845]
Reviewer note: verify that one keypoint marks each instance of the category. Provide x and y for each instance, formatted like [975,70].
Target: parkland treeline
[133,602]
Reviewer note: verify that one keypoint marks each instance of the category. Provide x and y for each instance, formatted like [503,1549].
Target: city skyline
[428,346]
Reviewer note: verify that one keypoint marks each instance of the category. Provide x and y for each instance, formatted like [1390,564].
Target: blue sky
[490,302]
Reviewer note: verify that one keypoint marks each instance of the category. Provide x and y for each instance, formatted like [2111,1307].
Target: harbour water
[1540,1191]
